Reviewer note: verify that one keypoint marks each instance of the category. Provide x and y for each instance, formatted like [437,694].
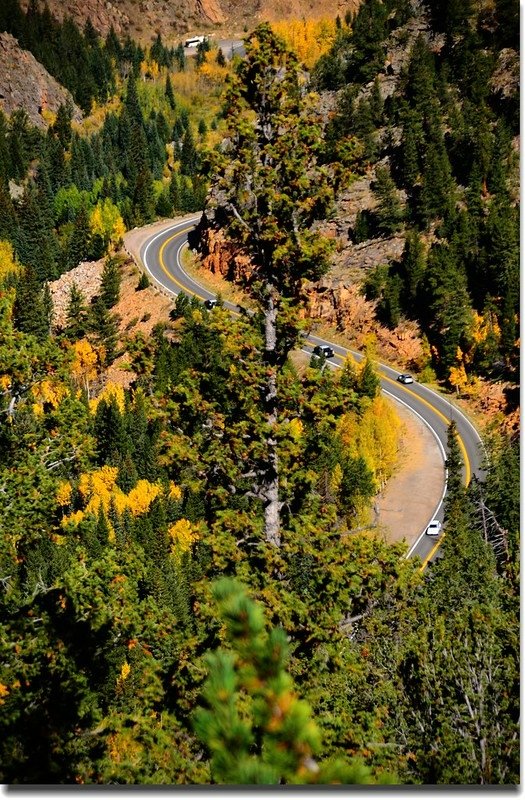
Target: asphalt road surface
[161,257]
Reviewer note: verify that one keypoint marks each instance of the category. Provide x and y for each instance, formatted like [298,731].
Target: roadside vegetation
[191,589]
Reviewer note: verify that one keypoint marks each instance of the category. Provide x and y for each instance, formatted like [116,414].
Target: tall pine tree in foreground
[273,192]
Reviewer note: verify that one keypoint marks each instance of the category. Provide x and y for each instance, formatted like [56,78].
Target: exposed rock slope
[143,19]
[25,83]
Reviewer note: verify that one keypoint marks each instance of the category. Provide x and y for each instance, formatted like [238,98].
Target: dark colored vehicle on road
[323,350]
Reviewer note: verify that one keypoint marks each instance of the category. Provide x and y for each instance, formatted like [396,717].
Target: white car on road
[434,528]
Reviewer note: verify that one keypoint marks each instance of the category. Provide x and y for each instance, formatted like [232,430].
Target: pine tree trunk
[270,489]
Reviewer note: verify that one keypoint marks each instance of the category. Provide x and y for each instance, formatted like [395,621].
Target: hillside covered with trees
[190,588]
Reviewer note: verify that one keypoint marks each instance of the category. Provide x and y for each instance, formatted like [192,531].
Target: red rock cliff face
[333,300]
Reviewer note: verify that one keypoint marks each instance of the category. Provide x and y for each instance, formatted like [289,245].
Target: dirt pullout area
[412,495]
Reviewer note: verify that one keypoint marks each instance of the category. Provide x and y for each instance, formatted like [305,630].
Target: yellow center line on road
[429,405]
[171,276]
[163,263]
[432,552]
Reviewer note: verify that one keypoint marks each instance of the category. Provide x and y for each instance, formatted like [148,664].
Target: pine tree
[376,102]
[21,140]
[62,124]
[105,326]
[31,309]
[36,244]
[454,467]
[180,57]
[273,192]
[143,198]
[410,148]
[188,154]
[413,265]
[77,315]
[132,105]
[79,245]
[5,158]
[8,221]
[112,44]
[168,91]
[110,282]
[389,212]
[448,302]
[368,383]
[269,737]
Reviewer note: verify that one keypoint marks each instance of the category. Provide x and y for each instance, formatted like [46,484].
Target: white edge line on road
[435,435]
[336,366]
[345,349]
[169,229]
[442,449]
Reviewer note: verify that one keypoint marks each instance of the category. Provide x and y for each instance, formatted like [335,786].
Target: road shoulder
[414,491]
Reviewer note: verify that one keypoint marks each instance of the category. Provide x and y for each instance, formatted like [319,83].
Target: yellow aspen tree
[86,364]
[8,264]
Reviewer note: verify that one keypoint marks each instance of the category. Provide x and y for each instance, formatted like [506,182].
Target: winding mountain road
[161,256]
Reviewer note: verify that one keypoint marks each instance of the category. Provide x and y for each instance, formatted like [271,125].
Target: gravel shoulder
[414,491]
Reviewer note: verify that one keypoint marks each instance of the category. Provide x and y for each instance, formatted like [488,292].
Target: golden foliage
[211,72]
[48,392]
[142,496]
[109,392]
[99,490]
[106,221]
[375,437]
[48,116]
[175,492]
[309,38]
[296,429]
[8,264]
[63,494]
[182,534]
[124,670]
[485,325]
[86,363]
[149,70]
[458,377]
[336,478]
[99,112]
[100,482]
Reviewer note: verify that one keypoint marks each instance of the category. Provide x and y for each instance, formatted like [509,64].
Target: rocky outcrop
[86,277]
[334,300]
[102,13]
[298,9]
[24,83]
[220,257]
[143,19]
[211,11]
[505,79]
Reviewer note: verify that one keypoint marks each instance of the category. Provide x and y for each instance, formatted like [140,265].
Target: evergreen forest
[191,589]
